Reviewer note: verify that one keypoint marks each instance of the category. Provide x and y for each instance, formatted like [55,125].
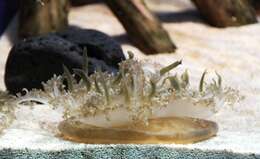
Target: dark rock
[84,2]
[98,44]
[37,59]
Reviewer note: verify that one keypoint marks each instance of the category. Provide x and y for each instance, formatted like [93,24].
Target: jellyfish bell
[136,105]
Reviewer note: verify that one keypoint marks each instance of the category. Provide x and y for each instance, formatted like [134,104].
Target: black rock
[35,60]
[98,44]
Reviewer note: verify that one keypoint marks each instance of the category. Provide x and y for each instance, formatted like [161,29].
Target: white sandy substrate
[233,52]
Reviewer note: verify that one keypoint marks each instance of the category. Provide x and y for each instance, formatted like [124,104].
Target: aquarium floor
[29,143]
[234,52]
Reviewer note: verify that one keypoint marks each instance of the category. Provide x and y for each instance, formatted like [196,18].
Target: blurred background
[205,33]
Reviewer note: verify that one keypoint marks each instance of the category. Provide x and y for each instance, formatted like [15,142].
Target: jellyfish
[138,105]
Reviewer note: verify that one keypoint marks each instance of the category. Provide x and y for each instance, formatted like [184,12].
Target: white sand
[233,52]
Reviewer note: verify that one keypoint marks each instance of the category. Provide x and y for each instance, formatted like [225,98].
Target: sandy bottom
[233,52]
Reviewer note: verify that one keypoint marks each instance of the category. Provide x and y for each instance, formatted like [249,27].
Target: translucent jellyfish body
[137,105]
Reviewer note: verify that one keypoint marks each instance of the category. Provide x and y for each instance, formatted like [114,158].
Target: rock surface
[35,60]
[99,45]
